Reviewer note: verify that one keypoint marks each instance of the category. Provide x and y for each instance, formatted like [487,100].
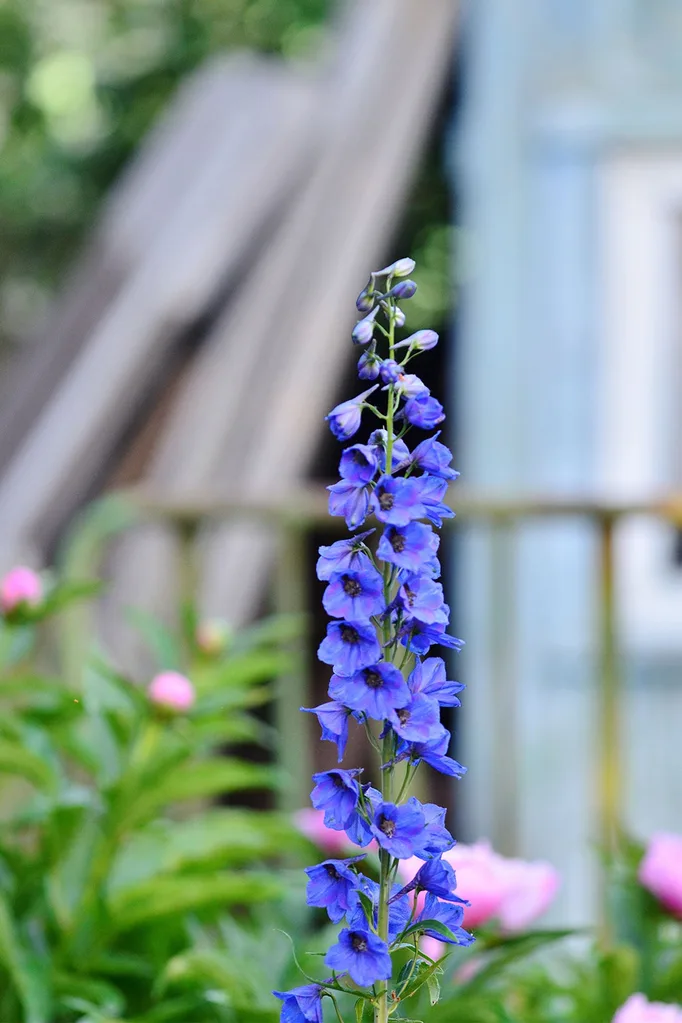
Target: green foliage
[121,879]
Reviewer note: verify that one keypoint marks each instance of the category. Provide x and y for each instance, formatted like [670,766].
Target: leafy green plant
[121,879]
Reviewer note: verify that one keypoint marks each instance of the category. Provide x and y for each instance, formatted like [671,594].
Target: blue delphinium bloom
[362,955]
[432,491]
[350,502]
[422,598]
[423,411]
[390,371]
[418,720]
[399,908]
[399,829]
[369,364]
[437,877]
[358,829]
[301,1004]
[430,678]
[337,793]
[435,839]
[397,501]
[434,458]
[331,885]
[376,690]
[419,637]
[359,464]
[434,753]
[410,547]
[400,455]
[355,596]
[448,914]
[343,556]
[344,419]
[349,646]
[333,719]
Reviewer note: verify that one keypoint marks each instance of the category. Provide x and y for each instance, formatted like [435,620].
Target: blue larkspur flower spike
[387,611]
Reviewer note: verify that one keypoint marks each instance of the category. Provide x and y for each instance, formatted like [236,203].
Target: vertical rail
[608,753]
[292,687]
[504,703]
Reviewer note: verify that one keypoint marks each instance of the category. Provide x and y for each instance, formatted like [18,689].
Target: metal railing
[292,516]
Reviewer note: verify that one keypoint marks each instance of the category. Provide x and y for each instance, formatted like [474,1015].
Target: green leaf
[201,780]
[433,985]
[163,643]
[359,1010]
[366,904]
[68,592]
[15,759]
[24,970]
[172,896]
[429,925]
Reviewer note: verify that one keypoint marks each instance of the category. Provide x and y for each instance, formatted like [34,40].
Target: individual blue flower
[397,501]
[432,491]
[418,720]
[337,793]
[333,719]
[412,386]
[368,365]
[390,371]
[434,753]
[400,454]
[331,887]
[349,501]
[344,419]
[433,457]
[423,599]
[435,839]
[399,910]
[420,341]
[399,829]
[358,829]
[419,637]
[376,690]
[355,596]
[362,955]
[448,914]
[343,556]
[437,877]
[410,547]
[349,647]
[423,411]
[301,1004]
[430,678]
[358,464]
[363,331]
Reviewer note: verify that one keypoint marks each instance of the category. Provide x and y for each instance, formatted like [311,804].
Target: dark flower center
[351,586]
[373,679]
[332,871]
[386,502]
[349,634]
[388,827]
[359,458]
[359,943]
[411,596]
[338,781]
[403,715]
[397,542]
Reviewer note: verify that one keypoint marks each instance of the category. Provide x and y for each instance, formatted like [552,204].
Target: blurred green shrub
[126,892]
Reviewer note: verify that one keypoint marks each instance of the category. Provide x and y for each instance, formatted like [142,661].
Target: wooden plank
[251,413]
[192,254]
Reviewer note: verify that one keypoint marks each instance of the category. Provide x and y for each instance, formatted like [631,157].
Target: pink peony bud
[172,690]
[212,636]
[20,586]
[661,870]
[638,1010]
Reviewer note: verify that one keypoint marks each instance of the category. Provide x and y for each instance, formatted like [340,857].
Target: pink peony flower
[661,870]
[172,690]
[21,585]
[513,891]
[212,636]
[638,1010]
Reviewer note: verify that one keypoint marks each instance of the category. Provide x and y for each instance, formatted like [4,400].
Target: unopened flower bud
[365,300]
[368,366]
[422,341]
[403,289]
[399,317]
[212,636]
[21,586]
[172,691]
[363,331]
[401,268]
[390,371]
